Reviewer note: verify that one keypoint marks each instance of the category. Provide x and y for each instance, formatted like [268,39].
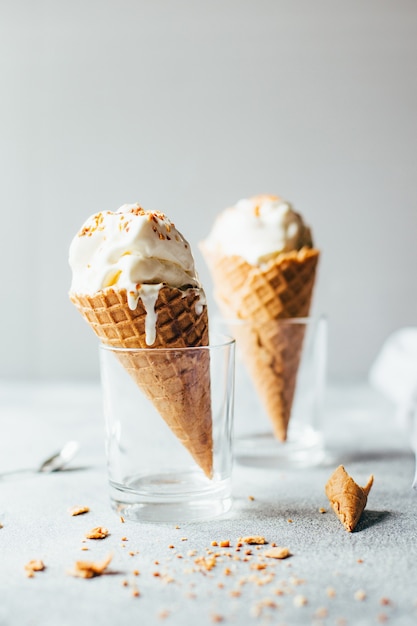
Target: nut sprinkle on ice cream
[135,250]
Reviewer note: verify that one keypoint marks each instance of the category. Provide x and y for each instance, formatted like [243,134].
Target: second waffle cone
[262,296]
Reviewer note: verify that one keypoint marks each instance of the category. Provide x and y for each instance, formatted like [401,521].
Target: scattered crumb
[79,510]
[206,563]
[224,544]
[289,521]
[359,561]
[35,565]
[163,614]
[135,592]
[171,546]
[97,533]
[125,583]
[330,592]
[235,593]
[135,572]
[382,618]
[300,601]
[214,543]
[177,527]
[124,539]
[184,539]
[321,612]
[321,510]
[216,618]
[360,595]
[251,498]
[84,548]
[385,601]
[277,553]
[254,540]
[258,566]
[90,569]
[122,519]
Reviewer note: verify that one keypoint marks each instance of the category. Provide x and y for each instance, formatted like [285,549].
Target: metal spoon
[58,460]
[54,463]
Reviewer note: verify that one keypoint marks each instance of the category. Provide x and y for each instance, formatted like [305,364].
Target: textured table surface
[333,577]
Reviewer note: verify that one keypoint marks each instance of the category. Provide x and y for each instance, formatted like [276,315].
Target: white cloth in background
[394,374]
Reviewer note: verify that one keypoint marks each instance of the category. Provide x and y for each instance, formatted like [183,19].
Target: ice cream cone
[177,384]
[264,296]
[347,498]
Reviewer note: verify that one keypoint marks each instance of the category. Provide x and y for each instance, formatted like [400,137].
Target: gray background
[187,107]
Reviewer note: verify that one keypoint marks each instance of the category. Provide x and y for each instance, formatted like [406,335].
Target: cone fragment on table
[177,384]
[347,498]
[264,296]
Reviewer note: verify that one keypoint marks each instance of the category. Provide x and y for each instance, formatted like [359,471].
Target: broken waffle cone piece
[177,384]
[262,296]
[347,498]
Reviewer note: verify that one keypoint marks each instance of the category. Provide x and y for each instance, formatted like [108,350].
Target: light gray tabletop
[156,574]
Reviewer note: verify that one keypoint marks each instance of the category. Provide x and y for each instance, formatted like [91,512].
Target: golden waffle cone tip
[346,497]
[177,384]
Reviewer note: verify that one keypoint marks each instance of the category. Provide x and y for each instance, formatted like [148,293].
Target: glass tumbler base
[170,497]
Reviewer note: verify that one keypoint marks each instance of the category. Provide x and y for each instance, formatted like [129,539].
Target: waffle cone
[264,297]
[177,384]
[347,498]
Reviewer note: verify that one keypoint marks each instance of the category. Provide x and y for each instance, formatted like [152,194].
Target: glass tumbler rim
[223,341]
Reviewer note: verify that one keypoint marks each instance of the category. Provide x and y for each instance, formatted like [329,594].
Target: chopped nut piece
[206,563]
[79,510]
[258,566]
[36,565]
[254,540]
[360,595]
[89,569]
[97,533]
[277,553]
[224,544]
[122,519]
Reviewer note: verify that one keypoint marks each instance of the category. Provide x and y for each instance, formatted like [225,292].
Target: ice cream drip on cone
[135,283]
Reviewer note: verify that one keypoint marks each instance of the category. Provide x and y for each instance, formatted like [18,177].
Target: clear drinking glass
[169,419]
[280,369]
